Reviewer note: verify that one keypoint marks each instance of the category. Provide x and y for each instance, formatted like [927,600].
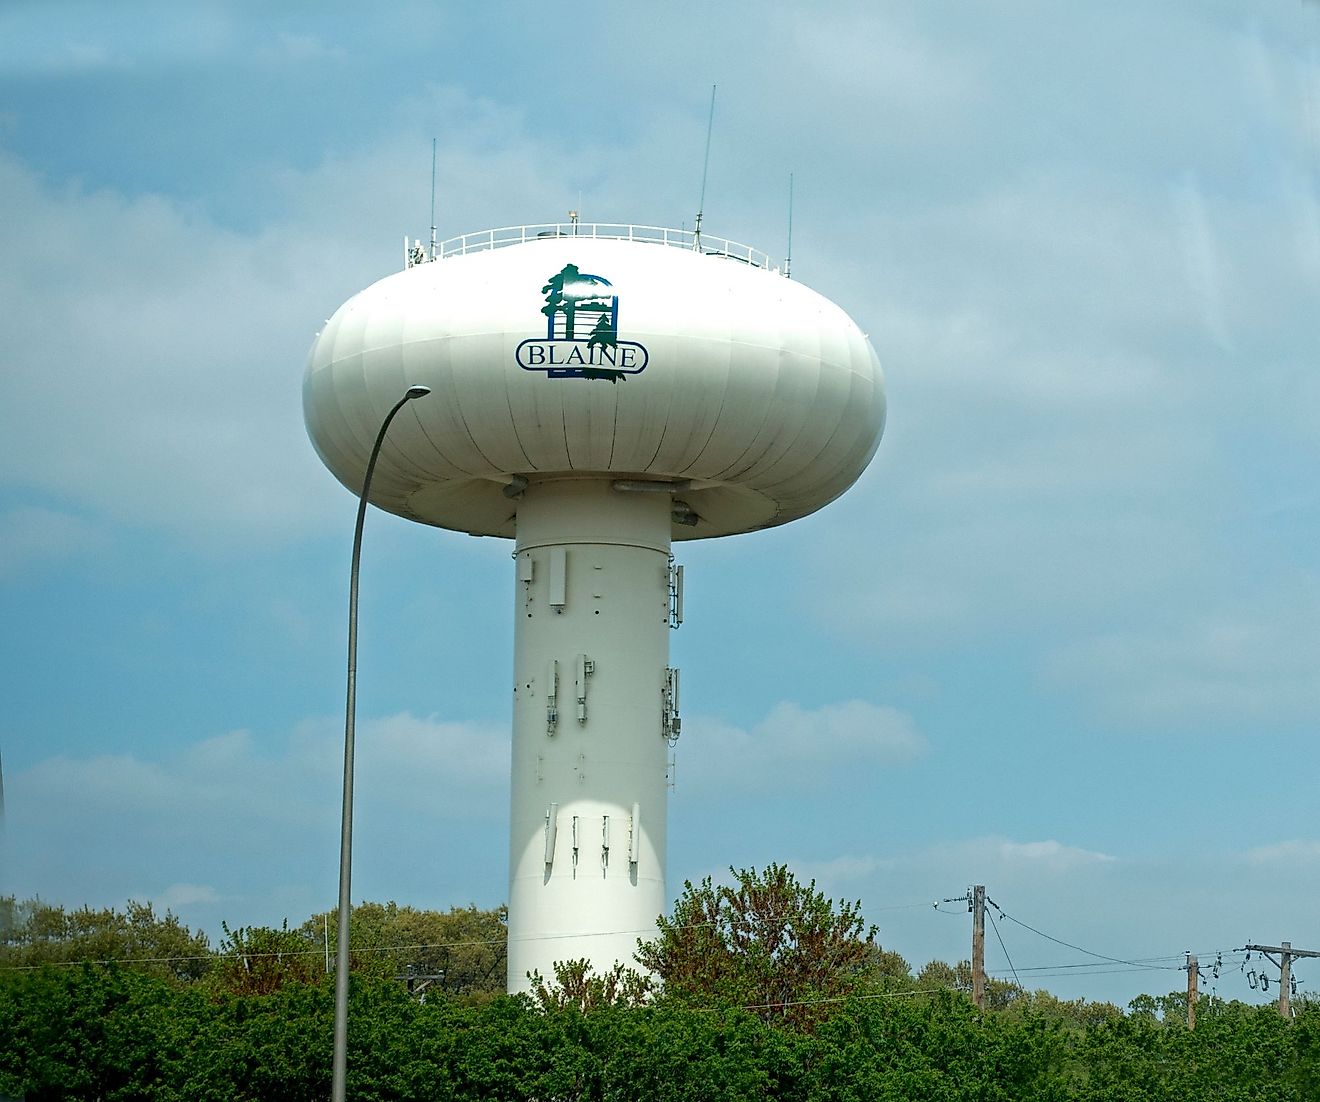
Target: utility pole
[976,904]
[1192,976]
[1286,953]
[975,900]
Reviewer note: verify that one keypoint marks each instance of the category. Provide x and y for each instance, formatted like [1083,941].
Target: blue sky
[1063,637]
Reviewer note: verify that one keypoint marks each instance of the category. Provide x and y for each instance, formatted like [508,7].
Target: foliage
[999,994]
[41,933]
[768,943]
[105,1032]
[578,985]
[887,969]
[466,947]
[258,1024]
[1071,1012]
[256,960]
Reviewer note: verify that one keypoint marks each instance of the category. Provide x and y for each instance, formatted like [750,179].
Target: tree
[465,946]
[577,984]
[36,933]
[887,969]
[256,960]
[999,994]
[769,943]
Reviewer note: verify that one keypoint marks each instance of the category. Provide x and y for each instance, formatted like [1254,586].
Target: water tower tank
[597,392]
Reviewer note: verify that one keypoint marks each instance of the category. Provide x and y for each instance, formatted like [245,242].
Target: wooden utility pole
[976,904]
[1286,953]
[1192,976]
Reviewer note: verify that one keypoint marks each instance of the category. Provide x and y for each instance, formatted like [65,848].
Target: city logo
[582,332]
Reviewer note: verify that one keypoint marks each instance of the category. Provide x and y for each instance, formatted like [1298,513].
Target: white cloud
[1051,854]
[1297,851]
[470,760]
[304,47]
[76,36]
[793,744]
[190,830]
[845,869]
[34,538]
[185,895]
[998,858]
[1236,666]
[157,374]
[1201,257]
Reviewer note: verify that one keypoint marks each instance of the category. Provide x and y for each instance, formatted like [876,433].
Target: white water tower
[597,393]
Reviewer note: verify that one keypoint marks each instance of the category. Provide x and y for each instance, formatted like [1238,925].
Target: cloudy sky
[1062,638]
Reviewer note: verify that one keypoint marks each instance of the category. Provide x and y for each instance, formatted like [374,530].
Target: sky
[1061,639]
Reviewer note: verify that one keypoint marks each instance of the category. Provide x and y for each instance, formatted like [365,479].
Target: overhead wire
[995,926]
[1083,968]
[1079,948]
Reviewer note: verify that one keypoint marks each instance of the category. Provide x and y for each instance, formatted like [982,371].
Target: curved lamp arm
[340,1060]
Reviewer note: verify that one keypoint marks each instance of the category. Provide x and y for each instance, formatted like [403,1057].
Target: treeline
[759,989]
[459,952]
[109,1032]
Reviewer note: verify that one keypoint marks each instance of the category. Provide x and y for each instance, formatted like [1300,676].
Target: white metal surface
[763,394]
[587,818]
[573,369]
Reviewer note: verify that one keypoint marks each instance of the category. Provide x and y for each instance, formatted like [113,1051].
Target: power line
[1080,949]
[995,926]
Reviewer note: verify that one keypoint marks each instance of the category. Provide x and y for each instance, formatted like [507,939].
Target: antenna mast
[705,168]
[432,254]
[788,258]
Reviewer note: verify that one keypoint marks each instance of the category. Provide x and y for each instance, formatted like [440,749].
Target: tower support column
[589,755]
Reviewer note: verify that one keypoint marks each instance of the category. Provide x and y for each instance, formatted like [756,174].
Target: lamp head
[416,392]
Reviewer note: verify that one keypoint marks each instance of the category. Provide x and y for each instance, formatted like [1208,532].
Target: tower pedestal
[589,784]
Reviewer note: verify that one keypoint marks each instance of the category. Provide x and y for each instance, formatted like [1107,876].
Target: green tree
[578,985]
[768,943]
[256,960]
[887,969]
[1073,1012]
[88,1032]
[36,933]
[467,947]
[999,994]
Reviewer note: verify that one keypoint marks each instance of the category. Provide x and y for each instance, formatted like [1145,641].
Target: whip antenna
[705,169]
[432,198]
[788,257]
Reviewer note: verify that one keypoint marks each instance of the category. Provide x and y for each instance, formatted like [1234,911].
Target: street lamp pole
[340,1062]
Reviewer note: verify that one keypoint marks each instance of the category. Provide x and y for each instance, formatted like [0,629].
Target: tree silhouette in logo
[555,300]
[571,291]
[604,335]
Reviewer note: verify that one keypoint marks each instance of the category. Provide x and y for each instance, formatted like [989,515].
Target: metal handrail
[485,240]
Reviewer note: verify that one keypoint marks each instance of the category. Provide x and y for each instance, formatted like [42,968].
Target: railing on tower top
[655,235]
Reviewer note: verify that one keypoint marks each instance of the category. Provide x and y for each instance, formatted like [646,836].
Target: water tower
[598,392]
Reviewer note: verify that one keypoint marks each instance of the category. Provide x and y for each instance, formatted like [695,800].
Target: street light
[340,1062]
